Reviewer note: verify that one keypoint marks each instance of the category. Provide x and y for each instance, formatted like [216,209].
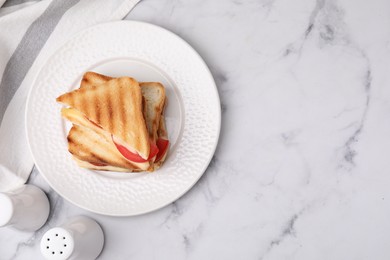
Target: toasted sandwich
[154,101]
[94,141]
[117,107]
[96,149]
[85,136]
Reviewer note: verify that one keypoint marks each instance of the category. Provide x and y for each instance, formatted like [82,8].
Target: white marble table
[302,170]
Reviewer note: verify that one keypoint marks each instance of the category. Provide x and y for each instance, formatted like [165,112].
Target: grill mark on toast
[97,112]
[87,148]
[90,103]
[104,113]
[122,115]
[78,150]
[110,112]
[84,102]
[116,111]
[99,158]
[84,82]
[69,137]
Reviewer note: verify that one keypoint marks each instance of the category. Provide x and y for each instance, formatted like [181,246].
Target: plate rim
[218,106]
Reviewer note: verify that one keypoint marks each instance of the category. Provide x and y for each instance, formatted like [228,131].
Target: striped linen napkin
[30,32]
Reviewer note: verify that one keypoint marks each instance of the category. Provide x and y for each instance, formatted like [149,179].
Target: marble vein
[350,151]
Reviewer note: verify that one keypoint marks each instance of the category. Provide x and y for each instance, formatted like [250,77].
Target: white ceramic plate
[147,53]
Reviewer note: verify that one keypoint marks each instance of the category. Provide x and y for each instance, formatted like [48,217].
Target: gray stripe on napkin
[28,49]
[16,2]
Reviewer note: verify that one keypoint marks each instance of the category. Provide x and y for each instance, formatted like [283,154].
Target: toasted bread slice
[154,96]
[91,78]
[152,92]
[87,165]
[95,143]
[97,149]
[154,99]
[116,106]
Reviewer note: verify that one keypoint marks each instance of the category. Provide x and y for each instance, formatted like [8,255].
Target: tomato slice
[153,150]
[162,145]
[134,157]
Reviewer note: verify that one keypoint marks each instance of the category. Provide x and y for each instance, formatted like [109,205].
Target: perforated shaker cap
[57,244]
[6,209]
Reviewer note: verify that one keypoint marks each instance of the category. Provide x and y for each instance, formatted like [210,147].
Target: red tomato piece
[162,145]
